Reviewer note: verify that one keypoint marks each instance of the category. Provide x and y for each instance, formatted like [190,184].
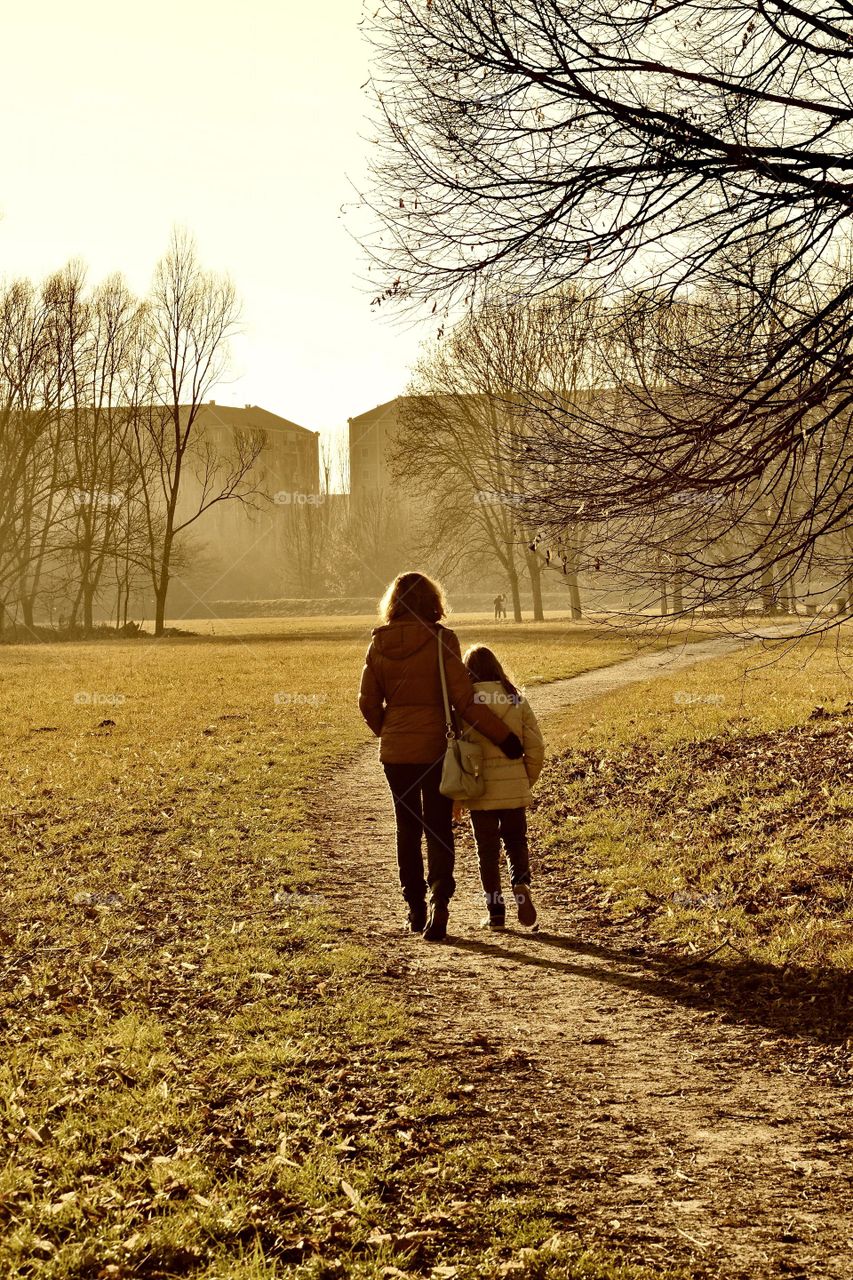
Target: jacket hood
[400,639]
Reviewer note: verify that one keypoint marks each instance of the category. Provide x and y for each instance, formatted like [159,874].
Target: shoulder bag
[462,770]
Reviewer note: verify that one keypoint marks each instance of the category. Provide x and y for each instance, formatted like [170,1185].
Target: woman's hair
[483,665]
[413,595]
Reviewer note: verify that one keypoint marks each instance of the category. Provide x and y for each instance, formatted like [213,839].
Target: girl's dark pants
[420,809]
[490,827]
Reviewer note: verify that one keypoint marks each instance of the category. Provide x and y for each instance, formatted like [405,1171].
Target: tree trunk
[27,611]
[677,593]
[574,595]
[534,572]
[515,593]
[768,601]
[160,593]
[664,604]
[88,607]
[161,583]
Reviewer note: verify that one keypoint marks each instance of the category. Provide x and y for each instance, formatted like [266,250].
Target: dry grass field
[201,1076]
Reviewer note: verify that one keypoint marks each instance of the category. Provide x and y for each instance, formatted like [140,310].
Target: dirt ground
[653,1104]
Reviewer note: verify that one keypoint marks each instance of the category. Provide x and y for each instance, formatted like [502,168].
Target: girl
[501,812]
[401,700]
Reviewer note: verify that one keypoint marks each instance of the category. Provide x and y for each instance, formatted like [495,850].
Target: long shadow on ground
[812,1004]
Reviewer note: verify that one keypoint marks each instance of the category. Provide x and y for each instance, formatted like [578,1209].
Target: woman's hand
[459,811]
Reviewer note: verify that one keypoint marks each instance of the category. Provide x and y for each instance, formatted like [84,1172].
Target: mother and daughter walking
[402,699]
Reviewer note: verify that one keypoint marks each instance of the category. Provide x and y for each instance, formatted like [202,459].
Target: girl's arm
[533,742]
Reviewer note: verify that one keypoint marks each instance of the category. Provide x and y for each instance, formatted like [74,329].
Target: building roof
[250,415]
[380,410]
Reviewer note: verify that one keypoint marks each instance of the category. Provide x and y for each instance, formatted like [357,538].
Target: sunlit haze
[246,124]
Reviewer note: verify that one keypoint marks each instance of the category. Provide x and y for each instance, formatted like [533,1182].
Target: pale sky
[242,121]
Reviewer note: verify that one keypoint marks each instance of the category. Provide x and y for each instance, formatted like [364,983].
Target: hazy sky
[241,121]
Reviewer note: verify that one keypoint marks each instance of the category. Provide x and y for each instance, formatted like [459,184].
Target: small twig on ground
[700,1244]
[706,955]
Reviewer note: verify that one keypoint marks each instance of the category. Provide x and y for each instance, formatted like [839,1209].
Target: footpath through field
[674,1131]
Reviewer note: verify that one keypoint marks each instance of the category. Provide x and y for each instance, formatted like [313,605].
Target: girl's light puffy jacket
[508,782]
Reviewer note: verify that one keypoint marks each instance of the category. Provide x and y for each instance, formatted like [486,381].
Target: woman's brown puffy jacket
[400,695]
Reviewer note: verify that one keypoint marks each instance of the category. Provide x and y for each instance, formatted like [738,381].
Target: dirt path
[670,1128]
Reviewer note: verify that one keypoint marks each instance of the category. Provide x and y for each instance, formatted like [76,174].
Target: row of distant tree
[336,546]
[102,467]
[534,430]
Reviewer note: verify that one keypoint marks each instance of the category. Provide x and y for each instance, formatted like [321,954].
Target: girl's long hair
[413,595]
[483,664]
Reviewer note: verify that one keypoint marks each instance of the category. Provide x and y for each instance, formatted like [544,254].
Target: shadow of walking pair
[806,1004]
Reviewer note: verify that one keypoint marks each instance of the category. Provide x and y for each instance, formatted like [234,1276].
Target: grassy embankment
[717,804]
[199,1078]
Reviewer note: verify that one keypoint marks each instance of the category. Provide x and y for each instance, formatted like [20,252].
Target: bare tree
[29,448]
[310,532]
[688,156]
[192,313]
[458,443]
[379,534]
[604,458]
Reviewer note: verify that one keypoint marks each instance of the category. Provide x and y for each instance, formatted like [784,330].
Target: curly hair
[413,595]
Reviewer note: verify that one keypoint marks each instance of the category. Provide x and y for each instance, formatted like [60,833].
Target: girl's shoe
[526,909]
[436,925]
[493,922]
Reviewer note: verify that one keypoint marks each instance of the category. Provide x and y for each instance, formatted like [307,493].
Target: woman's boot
[436,926]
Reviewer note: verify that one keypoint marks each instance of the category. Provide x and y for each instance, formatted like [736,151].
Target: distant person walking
[500,607]
[500,813]
[401,700]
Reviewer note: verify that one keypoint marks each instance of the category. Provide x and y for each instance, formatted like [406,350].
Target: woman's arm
[371,695]
[461,692]
[532,741]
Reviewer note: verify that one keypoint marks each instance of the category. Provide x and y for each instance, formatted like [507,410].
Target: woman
[401,700]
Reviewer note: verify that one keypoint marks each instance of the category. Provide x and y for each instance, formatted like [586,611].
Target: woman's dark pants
[420,809]
[490,827]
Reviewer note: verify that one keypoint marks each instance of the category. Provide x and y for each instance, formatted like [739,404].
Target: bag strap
[448,714]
